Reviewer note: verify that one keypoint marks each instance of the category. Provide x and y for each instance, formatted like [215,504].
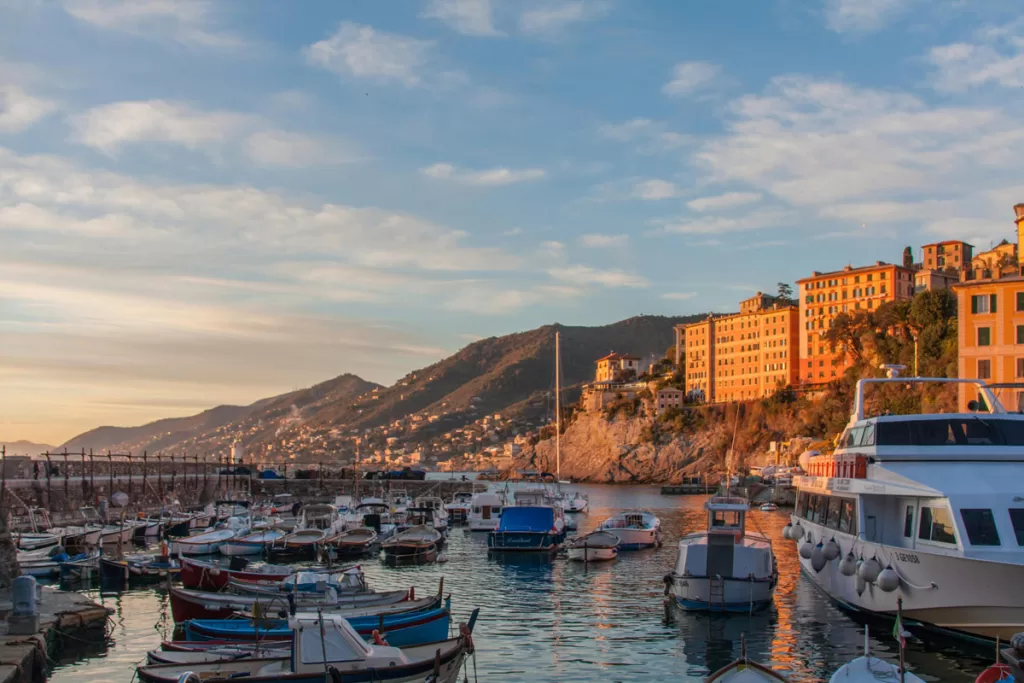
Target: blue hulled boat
[400,630]
[528,529]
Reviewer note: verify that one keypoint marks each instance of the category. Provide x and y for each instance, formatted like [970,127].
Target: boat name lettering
[1018,499]
[840,484]
[907,557]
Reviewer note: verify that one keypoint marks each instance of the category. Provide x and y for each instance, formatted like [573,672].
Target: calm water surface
[548,620]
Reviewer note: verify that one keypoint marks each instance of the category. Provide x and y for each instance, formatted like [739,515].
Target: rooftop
[945,242]
[850,269]
[618,356]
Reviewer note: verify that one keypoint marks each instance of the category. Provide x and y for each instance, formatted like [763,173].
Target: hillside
[26,448]
[509,374]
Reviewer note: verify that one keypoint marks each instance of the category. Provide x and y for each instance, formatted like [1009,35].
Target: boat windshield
[726,519]
[954,431]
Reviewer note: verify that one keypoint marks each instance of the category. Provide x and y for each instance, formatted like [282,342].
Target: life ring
[378,639]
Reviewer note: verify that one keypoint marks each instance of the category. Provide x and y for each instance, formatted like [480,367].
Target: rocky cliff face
[628,450]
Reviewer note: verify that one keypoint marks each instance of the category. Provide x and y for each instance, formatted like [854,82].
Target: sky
[212,202]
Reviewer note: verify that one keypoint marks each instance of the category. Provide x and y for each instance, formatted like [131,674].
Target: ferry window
[812,509]
[908,523]
[980,526]
[1013,432]
[894,434]
[847,521]
[979,432]
[936,525]
[1017,519]
[801,505]
[823,510]
[936,433]
[834,505]
[868,439]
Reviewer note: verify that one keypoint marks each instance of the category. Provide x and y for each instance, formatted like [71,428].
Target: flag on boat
[897,631]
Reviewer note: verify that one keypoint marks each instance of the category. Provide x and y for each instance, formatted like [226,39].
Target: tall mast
[356,482]
[558,408]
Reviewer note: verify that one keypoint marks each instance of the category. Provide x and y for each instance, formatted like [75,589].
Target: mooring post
[84,497]
[206,469]
[92,475]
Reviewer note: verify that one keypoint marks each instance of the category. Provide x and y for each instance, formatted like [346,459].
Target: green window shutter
[974,304]
[1020,334]
[992,303]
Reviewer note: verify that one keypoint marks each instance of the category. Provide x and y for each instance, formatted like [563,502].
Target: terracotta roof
[618,356]
[880,265]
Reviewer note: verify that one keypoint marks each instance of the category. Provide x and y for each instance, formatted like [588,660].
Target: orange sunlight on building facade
[823,296]
[949,254]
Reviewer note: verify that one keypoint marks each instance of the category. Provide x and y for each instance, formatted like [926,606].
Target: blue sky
[207,202]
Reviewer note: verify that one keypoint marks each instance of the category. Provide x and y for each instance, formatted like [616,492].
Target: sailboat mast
[558,408]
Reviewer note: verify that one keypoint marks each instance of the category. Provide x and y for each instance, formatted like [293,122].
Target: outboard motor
[373,521]
[238,563]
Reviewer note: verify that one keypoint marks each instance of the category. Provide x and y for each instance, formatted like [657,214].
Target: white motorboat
[210,542]
[769,507]
[373,513]
[485,511]
[575,502]
[596,546]
[868,669]
[726,568]
[251,544]
[923,506]
[440,515]
[636,529]
[458,510]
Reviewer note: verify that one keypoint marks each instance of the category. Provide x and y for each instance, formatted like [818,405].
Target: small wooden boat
[299,544]
[416,545]
[252,544]
[596,546]
[353,542]
[868,669]
[744,670]
[213,577]
[328,649]
[412,628]
[35,540]
[137,568]
[769,507]
[221,653]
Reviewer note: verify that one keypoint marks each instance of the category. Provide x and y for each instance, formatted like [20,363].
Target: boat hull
[524,541]
[737,595]
[636,539]
[204,576]
[933,587]
[588,554]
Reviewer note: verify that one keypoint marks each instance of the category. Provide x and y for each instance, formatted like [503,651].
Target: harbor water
[546,620]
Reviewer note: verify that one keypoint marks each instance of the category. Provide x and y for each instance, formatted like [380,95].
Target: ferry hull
[970,596]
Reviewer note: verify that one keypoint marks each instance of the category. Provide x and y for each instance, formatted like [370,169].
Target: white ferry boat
[929,508]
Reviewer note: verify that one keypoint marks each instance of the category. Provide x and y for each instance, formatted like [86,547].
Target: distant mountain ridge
[28,448]
[512,373]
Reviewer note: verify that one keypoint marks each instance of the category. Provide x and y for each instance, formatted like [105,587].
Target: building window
[1020,301]
[984,369]
[985,336]
[1020,334]
[1020,367]
[983,303]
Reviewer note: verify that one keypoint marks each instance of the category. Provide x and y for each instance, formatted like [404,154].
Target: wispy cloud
[650,137]
[553,16]
[364,52]
[468,17]
[714,225]
[19,109]
[192,22]
[689,78]
[585,275]
[996,58]
[862,16]
[724,201]
[678,296]
[281,149]
[604,241]
[655,189]
[486,178]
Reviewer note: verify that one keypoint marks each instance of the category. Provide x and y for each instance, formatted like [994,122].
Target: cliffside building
[948,255]
[669,398]
[617,367]
[743,356]
[991,328]
[823,296]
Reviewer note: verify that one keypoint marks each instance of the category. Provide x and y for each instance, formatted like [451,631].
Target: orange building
[617,367]
[743,356]
[823,296]
[949,254]
[991,330]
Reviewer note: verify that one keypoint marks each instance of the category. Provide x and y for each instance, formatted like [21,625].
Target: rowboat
[594,547]
[211,576]
[327,649]
[139,568]
[744,670]
[35,540]
[400,629]
[299,544]
[417,545]
[203,544]
[350,543]
[868,669]
[252,544]
[51,566]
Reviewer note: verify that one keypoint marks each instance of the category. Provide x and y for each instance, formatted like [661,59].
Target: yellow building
[951,254]
[991,330]
[617,367]
[986,263]
[743,356]
[823,296]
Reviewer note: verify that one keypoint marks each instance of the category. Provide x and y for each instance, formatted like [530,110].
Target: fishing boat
[50,565]
[745,670]
[635,529]
[436,505]
[316,522]
[108,533]
[137,568]
[220,653]
[252,544]
[485,510]
[458,510]
[328,649]
[210,542]
[27,540]
[416,545]
[575,502]
[597,546]
[923,506]
[726,568]
[425,516]
[769,507]
[351,543]
[528,529]
[405,628]
[373,513]
[211,576]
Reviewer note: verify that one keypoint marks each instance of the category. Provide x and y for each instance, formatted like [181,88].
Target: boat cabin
[727,517]
[487,505]
[321,517]
[419,515]
[333,640]
[430,502]
[534,498]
